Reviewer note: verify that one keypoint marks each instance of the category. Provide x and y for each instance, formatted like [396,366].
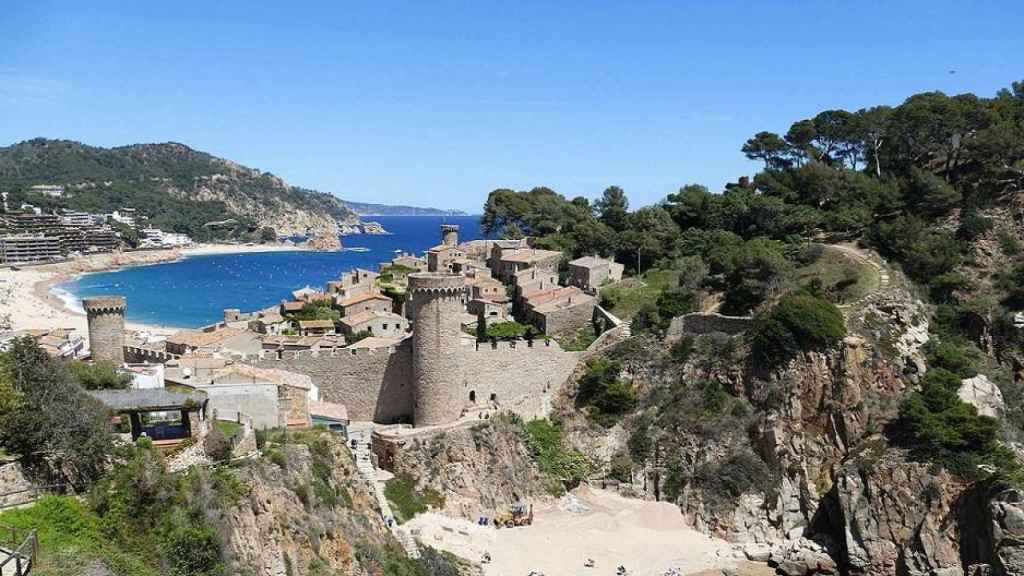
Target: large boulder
[983,394]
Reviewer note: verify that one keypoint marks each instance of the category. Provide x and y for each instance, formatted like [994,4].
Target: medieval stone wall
[697,323]
[519,377]
[374,384]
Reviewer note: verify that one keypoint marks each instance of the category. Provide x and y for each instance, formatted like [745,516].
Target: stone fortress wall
[698,323]
[373,383]
[378,384]
[105,315]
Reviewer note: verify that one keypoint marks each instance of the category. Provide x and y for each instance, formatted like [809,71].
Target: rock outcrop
[983,394]
[480,470]
[306,514]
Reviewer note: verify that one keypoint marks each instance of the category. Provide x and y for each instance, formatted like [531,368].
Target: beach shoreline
[28,301]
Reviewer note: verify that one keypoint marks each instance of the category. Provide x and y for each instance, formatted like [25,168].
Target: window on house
[472,396]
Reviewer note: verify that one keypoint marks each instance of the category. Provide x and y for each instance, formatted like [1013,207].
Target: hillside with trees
[878,254]
[174,187]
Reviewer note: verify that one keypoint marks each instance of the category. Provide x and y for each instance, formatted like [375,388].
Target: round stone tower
[450,234]
[106,327]
[436,301]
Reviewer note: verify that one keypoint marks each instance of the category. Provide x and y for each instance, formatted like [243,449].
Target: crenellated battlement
[383,351]
[436,283]
[518,345]
[140,354]
[104,305]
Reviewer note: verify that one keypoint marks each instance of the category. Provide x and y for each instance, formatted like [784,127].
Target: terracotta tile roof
[304,324]
[590,262]
[293,306]
[363,317]
[197,339]
[362,298]
[376,342]
[529,255]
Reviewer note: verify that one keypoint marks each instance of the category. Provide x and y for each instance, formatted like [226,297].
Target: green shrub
[681,350]
[955,354]
[621,468]
[602,391]
[544,439]
[192,550]
[640,442]
[100,375]
[406,501]
[940,427]
[972,226]
[799,322]
[509,330]
[1008,243]
[725,481]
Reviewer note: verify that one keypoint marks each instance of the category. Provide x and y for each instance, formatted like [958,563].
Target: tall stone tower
[106,327]
[450,234]
[436,301]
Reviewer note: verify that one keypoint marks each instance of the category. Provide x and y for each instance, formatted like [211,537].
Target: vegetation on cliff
[174,187]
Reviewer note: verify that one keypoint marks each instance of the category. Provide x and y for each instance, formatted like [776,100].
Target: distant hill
[171,186]
[364,209]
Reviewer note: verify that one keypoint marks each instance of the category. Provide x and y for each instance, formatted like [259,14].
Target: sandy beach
[27,300]
[648,538]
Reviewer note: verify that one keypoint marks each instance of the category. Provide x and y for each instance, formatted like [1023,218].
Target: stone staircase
[369,473]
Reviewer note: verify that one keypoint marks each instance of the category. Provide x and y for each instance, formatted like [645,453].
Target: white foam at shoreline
[71,302]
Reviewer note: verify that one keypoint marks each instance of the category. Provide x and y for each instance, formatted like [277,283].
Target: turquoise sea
[194,292]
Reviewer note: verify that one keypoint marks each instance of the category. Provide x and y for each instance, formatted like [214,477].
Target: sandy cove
[26,296]
[648,538]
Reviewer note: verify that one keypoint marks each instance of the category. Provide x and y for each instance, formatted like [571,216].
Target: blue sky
[437,103]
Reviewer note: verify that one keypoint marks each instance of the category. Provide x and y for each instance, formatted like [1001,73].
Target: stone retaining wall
[698,323]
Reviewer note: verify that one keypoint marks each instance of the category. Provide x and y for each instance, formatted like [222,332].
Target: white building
[125,217]
[72,218]
[156,238]
[51,190]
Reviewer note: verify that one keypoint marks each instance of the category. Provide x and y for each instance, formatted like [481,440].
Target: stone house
[561,312]
[365,303]
[316,327]
[410,261]
[292,307]
[516,260]
[590,272]
[441,258]
[376,322]
[270,323]
[272,398]
[355,283]
[487,288]
[487,310]
[534,281]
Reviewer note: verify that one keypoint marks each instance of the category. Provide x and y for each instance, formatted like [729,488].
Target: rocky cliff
[480,470]
[795,466]
[302,510]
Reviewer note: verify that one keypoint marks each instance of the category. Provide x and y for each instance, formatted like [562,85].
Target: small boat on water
[356,249]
